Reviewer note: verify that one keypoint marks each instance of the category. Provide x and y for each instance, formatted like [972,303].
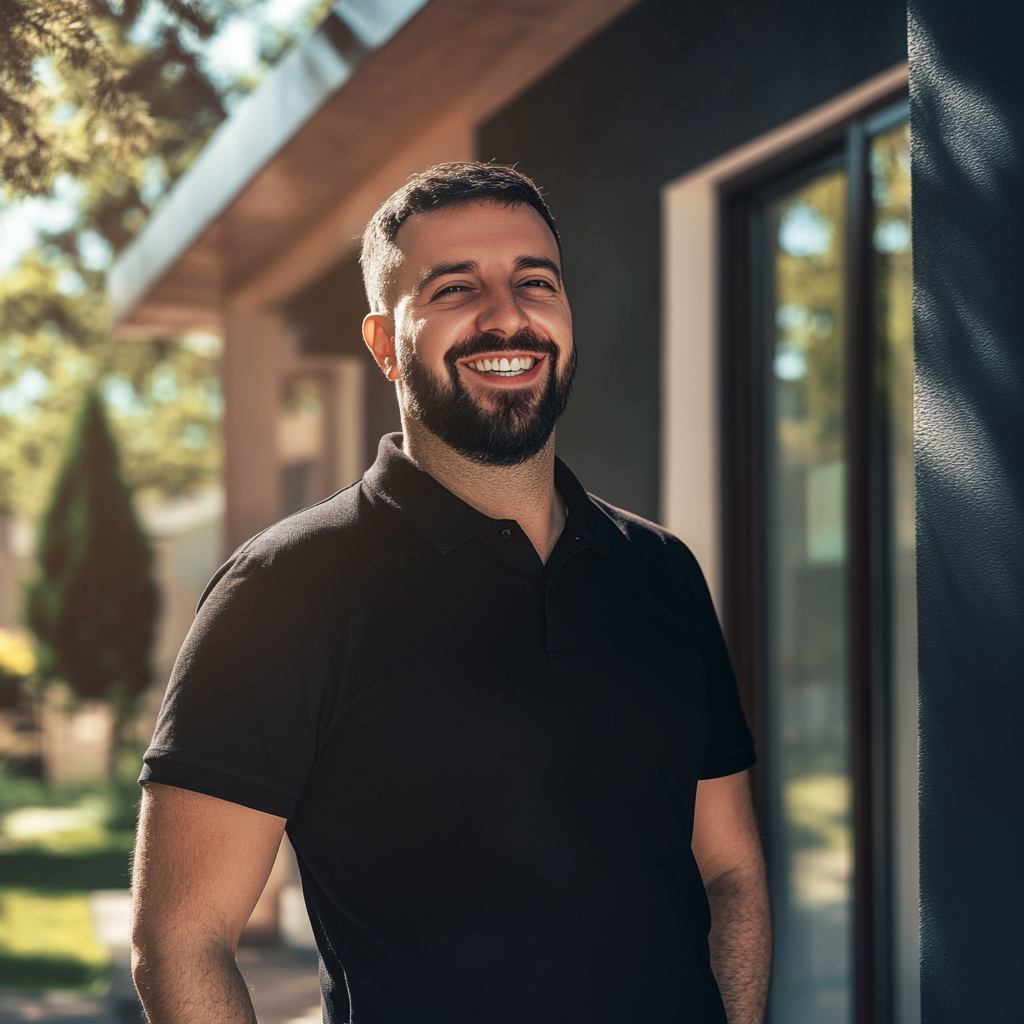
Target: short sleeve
[730,746]
[242,711]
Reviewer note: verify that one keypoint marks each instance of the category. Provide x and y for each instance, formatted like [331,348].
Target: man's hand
[200,866]
[727,847]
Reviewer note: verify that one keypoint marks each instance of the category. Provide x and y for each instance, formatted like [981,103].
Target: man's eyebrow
[441,269]
[537,263]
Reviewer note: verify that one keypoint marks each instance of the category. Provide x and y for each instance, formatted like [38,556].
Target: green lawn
[47,941]
[57,843]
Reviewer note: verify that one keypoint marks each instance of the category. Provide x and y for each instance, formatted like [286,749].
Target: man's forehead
[467,230]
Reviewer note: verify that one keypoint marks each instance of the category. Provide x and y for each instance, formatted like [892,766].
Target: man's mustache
[480,343]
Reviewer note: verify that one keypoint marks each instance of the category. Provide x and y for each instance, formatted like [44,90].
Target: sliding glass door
[819,403]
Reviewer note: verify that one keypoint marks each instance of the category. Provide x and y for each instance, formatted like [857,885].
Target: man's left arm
[727,847]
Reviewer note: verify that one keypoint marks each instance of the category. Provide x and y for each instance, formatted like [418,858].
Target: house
[732,183]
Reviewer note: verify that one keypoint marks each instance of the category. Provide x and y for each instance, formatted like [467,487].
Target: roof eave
[260,127]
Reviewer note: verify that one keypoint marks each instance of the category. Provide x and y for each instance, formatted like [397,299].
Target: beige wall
[255,347]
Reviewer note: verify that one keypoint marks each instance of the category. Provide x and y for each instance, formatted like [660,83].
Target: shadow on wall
[968,182]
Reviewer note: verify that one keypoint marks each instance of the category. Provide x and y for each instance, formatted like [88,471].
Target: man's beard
[520,420]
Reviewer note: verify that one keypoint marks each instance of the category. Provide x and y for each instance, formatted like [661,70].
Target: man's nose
[501,313]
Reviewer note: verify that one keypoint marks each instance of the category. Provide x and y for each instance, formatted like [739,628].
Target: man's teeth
[509,367]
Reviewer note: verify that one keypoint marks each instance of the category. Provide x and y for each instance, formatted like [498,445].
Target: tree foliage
[93,605]
[55,341]
[77,93]
[34,148]
[163,397]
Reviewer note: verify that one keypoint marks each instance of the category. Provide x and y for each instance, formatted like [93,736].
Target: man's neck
[525,493]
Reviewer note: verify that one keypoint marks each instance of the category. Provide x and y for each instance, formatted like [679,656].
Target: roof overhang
[373,78]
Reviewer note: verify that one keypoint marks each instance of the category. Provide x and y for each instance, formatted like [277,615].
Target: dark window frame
[743,486]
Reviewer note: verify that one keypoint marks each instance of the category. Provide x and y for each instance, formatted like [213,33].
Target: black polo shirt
[488,765]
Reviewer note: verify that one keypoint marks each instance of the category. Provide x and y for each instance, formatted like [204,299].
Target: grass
[85,828]
[116,799]
[47,941]
[101,869]
[56,844]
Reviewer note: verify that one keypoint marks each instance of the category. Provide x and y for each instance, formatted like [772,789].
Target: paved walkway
[283,983]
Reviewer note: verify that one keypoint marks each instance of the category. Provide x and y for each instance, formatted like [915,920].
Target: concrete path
[284,983]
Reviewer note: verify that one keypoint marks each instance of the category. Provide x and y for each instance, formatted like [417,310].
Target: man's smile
[505,367]
[520,367]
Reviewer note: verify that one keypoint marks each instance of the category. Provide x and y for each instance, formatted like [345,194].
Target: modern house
[732,184]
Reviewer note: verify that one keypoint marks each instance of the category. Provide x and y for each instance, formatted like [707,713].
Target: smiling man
[494,713]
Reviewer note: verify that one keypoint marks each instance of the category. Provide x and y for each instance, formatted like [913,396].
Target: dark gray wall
[967,124]
[671,85]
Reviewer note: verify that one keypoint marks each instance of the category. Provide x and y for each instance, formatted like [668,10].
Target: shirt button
[506,534]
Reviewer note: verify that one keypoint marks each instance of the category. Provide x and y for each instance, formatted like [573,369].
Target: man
[494,714]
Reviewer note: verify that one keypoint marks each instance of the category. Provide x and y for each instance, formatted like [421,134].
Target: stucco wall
[967,122]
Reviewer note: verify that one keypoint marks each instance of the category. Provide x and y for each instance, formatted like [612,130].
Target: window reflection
[810,842]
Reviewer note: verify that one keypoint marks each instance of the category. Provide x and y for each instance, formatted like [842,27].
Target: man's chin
[495,437]
[516,407]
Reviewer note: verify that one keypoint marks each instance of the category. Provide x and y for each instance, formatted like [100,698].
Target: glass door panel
[889,164]
[808,760]
[820,430]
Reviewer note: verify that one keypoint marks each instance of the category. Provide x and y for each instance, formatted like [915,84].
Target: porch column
[255,343]
[967,122]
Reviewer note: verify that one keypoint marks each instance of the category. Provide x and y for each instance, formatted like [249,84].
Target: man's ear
[379,335]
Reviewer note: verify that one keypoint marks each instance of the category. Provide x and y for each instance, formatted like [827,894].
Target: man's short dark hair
[453,184]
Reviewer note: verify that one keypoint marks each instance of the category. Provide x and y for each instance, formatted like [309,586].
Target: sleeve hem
[217,784]
[719,767]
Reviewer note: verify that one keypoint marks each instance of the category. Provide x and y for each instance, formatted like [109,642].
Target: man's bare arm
[727,847]
[200,866]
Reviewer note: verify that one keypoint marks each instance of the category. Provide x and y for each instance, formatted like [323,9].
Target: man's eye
[536,282]
[451,289]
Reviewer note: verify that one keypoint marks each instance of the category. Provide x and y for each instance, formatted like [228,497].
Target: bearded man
[494,713]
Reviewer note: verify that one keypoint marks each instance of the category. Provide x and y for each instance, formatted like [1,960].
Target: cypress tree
[93,604]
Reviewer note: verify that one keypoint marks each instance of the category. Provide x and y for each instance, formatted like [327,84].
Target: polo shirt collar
[586,522]
[445,521]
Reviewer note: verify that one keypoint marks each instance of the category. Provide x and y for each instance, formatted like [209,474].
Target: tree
[36,147]
[55,340]
[81,94]
[163,399]
[65,65]
[93,606]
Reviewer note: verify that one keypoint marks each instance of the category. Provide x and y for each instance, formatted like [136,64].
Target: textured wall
[668,87]
[967,111]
